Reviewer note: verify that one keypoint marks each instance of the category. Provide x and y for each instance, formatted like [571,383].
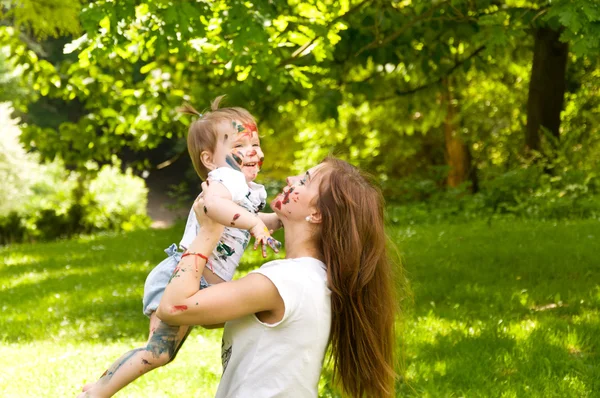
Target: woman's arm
[184,304]
[221,302]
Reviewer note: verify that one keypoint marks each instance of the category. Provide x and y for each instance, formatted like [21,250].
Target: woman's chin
[276,204]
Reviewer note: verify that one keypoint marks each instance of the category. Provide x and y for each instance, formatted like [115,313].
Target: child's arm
[271,221]
[220,208]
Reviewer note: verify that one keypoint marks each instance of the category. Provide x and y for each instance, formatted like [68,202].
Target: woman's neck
[298,242]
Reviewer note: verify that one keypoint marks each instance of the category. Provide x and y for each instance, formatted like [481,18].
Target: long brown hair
[352,241]
[204,131]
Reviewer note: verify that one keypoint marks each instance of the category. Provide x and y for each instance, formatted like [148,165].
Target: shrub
[115,200]
[47,201]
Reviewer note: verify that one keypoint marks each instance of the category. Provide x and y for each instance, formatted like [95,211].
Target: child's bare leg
[163,343]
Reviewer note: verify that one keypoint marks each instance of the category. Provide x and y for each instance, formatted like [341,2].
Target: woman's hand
[200,209]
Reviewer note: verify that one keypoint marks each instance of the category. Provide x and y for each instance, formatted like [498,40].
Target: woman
[335,285]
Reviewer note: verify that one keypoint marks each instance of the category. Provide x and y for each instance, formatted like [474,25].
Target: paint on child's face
[244,128]
[237,157]
[231,162]
[246,150]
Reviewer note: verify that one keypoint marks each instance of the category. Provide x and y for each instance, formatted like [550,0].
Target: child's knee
[154,361]
[160,353]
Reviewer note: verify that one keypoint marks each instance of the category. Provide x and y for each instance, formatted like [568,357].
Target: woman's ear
[207,160]
[315,217]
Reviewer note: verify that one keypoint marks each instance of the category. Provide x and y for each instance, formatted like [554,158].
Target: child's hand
[263,236]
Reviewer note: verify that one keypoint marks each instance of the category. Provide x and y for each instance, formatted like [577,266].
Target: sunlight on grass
[507,310]
[14,259]
[63,368]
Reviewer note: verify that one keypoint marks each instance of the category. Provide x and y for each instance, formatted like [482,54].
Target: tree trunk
[546,87]
[458,155]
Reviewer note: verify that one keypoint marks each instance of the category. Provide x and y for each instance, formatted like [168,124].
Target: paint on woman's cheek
[225,138]
[205,210]
[286,196]
[235,217]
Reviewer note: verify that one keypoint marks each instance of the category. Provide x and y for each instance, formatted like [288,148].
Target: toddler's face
[246,151]
[239,148]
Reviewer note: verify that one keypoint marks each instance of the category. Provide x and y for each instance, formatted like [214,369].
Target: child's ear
[207,160]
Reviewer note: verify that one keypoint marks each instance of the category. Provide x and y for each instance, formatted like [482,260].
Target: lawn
[510,309]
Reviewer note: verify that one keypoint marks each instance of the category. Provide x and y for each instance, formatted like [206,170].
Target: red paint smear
[278,205]
[286,196]
[236,216]
[180,307]
[250,126]
[260,161]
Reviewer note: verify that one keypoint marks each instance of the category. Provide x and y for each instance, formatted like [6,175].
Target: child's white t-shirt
[251,196]
[282,359]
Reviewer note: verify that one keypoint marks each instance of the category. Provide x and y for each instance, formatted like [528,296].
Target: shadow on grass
[510,310]
[83,289]
[80,289]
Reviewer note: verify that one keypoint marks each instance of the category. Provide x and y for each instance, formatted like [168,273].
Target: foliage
[42,19]
[39,201]
[361,79]
[116,201]
[18,169]
[508,310]
[311,62]
[525,193]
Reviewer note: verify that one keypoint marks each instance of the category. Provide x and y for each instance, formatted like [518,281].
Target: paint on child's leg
[235,217]
[164,341]
[177,308]
[116,366]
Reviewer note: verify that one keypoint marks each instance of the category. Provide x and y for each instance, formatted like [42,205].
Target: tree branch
[309,43]
[398,93]
[402,30]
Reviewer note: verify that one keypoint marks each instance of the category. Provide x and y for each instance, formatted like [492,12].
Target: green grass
[507,310]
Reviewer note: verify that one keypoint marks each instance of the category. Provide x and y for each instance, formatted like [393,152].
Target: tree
[365,78]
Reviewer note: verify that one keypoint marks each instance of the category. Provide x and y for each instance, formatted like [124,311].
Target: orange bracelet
[194,254]
[202,256]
